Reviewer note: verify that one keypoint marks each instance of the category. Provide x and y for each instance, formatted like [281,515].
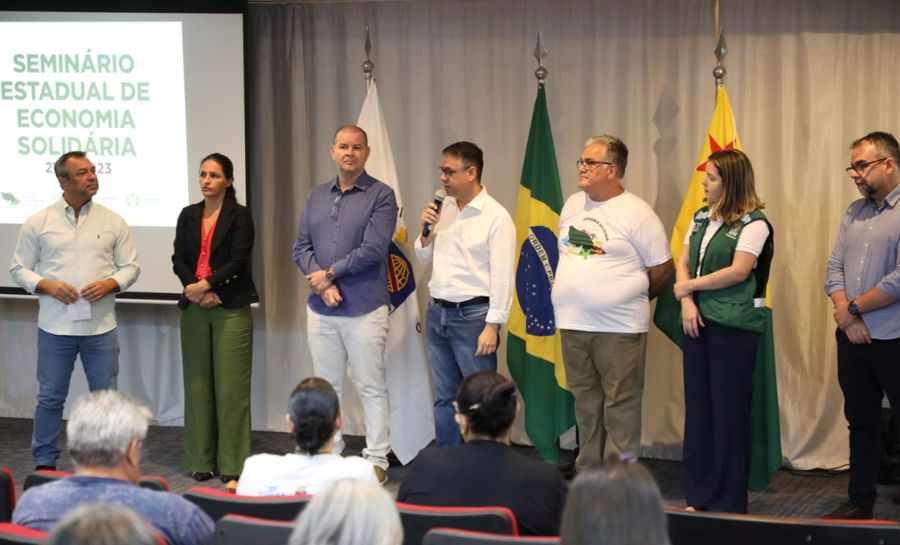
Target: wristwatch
[853,309]
[329,274]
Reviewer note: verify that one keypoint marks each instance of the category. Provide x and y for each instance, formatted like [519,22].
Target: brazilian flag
[533,346]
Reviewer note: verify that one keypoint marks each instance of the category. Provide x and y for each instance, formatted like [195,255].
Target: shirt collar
[363,182]
[893,198]
[479,201]
[66,207]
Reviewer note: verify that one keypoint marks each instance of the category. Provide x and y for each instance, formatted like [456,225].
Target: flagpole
[721,49]
[368,66]
[540,52]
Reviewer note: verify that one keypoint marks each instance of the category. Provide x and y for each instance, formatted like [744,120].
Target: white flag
[408,375]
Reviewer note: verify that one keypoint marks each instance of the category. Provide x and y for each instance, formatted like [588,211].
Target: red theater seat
[218,503]
[244,530]
[698,528]
[418,519]
[452,536]
[14,534]
[7,494]
[43,476]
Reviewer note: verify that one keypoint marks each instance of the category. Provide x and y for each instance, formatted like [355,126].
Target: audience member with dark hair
[615,504]
[485,471]
[314,417]
[104,433]
[102,524]
[349,512]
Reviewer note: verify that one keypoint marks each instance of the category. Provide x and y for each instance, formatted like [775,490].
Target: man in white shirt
[613,257]
[75,254]
[471,246]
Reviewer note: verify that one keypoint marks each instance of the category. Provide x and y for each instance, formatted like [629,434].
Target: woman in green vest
[721,284]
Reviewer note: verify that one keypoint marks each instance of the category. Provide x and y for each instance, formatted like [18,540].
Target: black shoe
[847,510]
[201,476]
[43,468]
[228,478]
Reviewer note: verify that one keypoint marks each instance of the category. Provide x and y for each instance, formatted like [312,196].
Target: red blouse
[203,270]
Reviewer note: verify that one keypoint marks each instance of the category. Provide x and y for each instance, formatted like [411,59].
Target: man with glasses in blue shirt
[863,283]
[342,246]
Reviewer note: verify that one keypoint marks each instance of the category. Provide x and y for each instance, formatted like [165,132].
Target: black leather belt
[483,300]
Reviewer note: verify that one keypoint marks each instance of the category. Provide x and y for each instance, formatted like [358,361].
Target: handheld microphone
[439,197]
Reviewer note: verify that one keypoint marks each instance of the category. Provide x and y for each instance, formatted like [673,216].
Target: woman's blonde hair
[738,186]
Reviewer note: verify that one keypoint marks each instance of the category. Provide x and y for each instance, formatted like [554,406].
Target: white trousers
[336,341]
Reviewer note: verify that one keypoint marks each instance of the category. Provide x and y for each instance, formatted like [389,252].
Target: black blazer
[231,247]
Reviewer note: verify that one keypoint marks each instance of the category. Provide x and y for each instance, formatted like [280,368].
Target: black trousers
[718,393]
[866,372]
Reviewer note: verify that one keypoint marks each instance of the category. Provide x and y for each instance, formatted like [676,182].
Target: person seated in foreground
[102,524]
[616,504]
[313,418]
[104,434]
[485,470]
[349,512]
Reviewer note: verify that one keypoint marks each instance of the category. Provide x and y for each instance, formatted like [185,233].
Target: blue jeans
[56,360]
[452,339]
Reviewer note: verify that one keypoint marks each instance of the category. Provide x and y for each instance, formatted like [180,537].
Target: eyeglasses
[590,164]
[860,167]
[447,171]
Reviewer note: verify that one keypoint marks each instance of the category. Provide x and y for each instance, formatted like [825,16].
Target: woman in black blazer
[213,243]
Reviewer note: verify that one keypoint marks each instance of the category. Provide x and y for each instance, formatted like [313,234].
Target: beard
[866,190]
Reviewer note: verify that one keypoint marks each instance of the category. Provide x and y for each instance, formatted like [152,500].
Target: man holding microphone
[470,240]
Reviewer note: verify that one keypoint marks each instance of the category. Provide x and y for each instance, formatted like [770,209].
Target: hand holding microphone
[430,215]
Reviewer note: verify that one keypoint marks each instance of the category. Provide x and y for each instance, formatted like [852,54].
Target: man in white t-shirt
[613,257]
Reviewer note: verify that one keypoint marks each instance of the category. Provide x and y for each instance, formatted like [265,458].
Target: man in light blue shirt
[105,432]
[864,285]
[342,246]
[75,254]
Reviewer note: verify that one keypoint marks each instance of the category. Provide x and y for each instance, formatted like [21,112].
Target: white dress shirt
[274,475]
[473,254]
[52,245]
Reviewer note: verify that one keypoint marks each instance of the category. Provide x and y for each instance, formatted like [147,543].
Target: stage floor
[789,494]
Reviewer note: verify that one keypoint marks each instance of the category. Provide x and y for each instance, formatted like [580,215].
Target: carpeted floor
[789,494]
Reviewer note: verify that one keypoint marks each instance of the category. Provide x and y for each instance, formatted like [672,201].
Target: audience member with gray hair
[105,432]
[102,524]
[615,504]
[349,512]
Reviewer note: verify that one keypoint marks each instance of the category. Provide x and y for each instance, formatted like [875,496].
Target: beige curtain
[805,78]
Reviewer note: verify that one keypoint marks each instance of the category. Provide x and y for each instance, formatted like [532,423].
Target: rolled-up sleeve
[890,284]
[834,279]
[502,262]
[125,258]
[303,253]
[424,255]
[25,258]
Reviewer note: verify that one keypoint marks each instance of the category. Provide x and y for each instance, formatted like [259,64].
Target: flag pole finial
[721,51]
[368,66]
[721,47]
[541,72]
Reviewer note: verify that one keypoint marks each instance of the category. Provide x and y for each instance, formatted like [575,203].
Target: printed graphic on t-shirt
[585,238]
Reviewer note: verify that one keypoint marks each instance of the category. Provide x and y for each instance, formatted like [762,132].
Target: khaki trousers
[605,373]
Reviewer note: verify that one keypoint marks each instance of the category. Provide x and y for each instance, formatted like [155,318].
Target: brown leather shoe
[848,510]
[381,475]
